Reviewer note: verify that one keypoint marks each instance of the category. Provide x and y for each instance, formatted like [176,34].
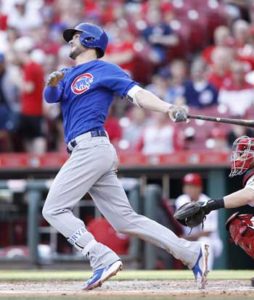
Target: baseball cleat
[101,275]
[200,269]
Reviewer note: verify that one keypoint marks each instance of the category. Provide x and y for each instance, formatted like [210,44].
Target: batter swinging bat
[242,122]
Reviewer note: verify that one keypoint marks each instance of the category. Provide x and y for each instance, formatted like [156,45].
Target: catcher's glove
[191,214]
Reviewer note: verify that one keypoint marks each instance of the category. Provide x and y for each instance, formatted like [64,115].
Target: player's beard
[75,52]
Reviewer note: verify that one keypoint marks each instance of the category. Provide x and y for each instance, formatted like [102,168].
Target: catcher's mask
[91,36]
[242,157]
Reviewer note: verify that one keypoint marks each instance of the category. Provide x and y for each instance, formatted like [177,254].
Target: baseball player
[240,226]
[85,93]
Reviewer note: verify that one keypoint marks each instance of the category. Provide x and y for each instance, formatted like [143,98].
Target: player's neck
[85,57]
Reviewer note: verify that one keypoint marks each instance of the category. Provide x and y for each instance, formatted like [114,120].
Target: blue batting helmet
[91,36]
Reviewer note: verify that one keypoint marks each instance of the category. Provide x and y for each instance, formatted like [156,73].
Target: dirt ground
[122,288]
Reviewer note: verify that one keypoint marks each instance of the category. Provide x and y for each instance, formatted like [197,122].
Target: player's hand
[178,113]
[54,78]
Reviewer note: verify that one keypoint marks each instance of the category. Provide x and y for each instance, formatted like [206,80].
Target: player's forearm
[52,94]
[239,198]
[147,100]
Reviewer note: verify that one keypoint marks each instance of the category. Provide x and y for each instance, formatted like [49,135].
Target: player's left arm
[54,87]
[148,100]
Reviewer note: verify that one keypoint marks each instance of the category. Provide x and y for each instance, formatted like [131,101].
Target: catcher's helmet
[242,157]
[92,36]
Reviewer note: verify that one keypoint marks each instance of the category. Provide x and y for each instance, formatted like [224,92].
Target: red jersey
[219,80]
[123,47]
[31,102]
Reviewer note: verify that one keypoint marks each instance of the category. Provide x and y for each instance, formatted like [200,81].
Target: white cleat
[101,275]
[200,269]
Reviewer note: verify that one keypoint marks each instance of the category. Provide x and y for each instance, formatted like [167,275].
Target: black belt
[94,133]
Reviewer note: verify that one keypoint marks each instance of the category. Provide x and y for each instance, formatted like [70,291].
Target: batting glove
[54,78]
[178,113]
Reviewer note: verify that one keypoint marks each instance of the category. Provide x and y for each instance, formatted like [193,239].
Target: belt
[93,133]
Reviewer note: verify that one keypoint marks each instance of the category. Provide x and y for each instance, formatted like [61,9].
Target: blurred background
[194,52]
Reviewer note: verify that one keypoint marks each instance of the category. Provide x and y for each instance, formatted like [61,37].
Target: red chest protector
[241,229]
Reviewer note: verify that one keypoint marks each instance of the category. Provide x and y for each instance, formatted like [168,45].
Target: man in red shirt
[219,73]
[31,84]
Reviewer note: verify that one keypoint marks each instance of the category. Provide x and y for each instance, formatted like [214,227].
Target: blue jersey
[85,94]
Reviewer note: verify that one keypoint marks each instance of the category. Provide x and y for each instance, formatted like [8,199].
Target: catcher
[240,226]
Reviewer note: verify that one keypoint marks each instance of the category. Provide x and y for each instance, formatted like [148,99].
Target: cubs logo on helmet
[81,83]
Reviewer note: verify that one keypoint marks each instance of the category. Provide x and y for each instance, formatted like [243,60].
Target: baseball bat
[242,122]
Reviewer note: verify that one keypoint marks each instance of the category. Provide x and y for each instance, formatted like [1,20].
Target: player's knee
[47,213]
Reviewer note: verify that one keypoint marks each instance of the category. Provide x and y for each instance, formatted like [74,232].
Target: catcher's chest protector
[241,229]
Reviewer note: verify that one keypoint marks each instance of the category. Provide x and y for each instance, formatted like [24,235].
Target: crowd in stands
[194,52]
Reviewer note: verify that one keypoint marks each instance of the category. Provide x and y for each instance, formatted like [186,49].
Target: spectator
[241,33]
[160,137]
[222,38]
[160,36]
[69,12]
[236,94]
[8,106]
[192,191]
[45,40]
[23,15]
[3,19]
[178,72]
[121,48]
[198,92]
[31,83]
[159,84]
[133,125]
[246,52]
[219,72]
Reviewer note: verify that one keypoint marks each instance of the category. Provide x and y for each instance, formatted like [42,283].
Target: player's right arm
[54,89]
[115,79]
[150,101]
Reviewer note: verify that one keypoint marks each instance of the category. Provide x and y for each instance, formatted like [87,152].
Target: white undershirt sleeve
[132,92]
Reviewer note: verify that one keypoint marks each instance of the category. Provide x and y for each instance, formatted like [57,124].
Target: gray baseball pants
[92,168]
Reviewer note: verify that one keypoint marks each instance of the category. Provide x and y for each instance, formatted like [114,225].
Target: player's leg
[77,175]
[110,198]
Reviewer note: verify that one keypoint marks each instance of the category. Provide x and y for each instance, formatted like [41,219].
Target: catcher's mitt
[191,214]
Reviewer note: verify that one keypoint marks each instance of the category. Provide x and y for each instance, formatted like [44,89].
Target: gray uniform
[92,168]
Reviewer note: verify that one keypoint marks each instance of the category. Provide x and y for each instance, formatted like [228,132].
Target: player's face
[76,47]
[192,191]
